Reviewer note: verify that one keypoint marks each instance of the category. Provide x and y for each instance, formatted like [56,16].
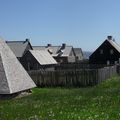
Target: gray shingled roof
[55,49]
[13,77]
[18,47]
[114,44]
[78,51]
[43,57]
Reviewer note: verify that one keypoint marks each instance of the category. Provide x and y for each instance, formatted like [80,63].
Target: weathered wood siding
[83,77]
[101,58]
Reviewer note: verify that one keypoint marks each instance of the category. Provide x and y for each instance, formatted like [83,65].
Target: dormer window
[101,51]
[111,51]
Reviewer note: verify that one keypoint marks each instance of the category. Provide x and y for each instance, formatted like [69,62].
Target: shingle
[55,49]
[43,57]
[115,45]
[13,77]
[78,51]
[18,47]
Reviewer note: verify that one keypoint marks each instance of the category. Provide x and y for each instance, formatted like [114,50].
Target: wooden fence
[77,66]
[81,77]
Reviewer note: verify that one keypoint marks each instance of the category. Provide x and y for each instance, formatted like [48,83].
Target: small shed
[38,60]
[13,77]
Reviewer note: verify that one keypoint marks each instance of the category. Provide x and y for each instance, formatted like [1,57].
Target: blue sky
[81,23]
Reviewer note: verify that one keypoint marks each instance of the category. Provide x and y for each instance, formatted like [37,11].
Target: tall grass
[101,102]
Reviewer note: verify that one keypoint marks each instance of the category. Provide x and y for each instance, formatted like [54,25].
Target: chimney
[63,46]
[109,37]
[26,40]
[49,45]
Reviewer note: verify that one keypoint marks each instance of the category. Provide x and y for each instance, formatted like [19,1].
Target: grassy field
[101,102]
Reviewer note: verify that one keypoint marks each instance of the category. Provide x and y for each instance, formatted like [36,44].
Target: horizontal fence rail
[81,77]
[77,66]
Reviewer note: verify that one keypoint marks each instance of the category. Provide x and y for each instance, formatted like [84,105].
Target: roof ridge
[14,41]
[77,48]
[53,46]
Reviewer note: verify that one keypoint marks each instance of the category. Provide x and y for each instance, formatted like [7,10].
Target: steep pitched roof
[114,44]
[43,57]
[13,77]
[55,50]
[18,47]
[78,51]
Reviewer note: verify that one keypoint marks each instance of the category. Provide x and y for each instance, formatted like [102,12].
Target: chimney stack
[63,46]
[109,37]
[49,45]
[27,40]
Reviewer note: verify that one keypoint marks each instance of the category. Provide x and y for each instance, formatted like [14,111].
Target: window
[111,51]
[101,51]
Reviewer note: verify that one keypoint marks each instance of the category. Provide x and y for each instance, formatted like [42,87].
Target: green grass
[101,102]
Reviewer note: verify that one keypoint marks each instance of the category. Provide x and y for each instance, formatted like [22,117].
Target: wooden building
[19,48]
[62,54]
[107,53]
[38,60]
[79,54]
